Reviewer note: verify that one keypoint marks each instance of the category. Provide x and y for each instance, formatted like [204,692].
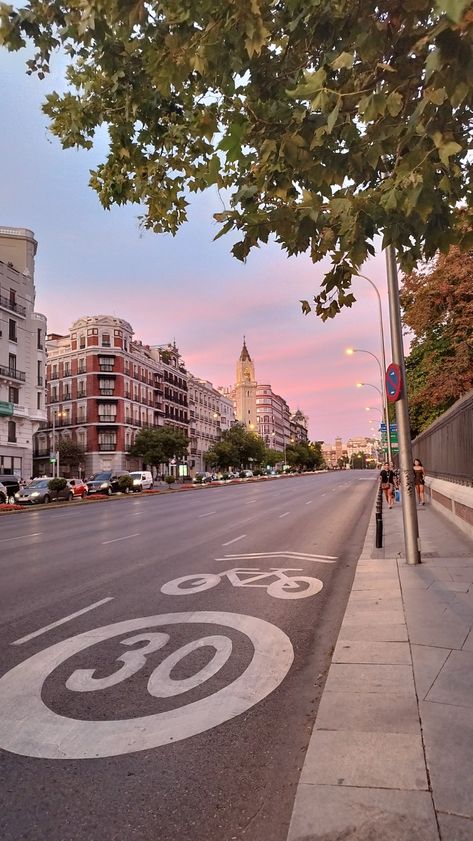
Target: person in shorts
[419,479]
[387,483]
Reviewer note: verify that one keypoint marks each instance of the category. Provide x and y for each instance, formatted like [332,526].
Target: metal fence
[446,447]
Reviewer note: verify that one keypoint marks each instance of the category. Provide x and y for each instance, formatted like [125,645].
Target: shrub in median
[57,484]
[125,484]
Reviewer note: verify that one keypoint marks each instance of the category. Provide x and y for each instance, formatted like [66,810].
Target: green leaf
[394,103]
[306,308]
[447,150]
[343,60]
[437,96]
[454,9]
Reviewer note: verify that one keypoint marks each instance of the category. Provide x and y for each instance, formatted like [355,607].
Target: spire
[244,355]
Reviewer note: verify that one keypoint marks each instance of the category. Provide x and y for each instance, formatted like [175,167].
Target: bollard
[379,519]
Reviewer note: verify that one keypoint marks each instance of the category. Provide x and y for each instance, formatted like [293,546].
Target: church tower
[245,390]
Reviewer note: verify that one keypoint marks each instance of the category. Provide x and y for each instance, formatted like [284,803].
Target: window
[14,395]
[12,299]
[82,341]
[82,367]
[106,363]
[107,440]
[81,389]
[92,331]
[12,330]
[67,369]
[106,386]
[39,373]
[12,363]
[54,372]
[106,340]
[11,432]
[38,400]
[107,412]
[39,339]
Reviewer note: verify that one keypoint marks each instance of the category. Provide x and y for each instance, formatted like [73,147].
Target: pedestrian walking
[419,479]
[387,482]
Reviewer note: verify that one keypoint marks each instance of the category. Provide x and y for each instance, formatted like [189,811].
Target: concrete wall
[455,501]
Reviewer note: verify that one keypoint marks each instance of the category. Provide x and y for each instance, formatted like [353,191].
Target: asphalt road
[170,709]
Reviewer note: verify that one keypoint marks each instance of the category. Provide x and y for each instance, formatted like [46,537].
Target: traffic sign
[393,382]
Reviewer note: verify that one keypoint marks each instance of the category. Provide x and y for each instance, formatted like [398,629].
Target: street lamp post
[350,352]
[383,359]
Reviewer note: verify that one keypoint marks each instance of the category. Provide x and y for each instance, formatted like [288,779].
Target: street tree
[238,447]
[437,303]
[321,123]
[70,454]
[158,445]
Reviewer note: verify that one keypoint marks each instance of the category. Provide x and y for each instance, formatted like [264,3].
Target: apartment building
[22,353]
[273,418]
[210,414]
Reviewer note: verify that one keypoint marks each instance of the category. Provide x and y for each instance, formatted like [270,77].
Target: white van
[142,480]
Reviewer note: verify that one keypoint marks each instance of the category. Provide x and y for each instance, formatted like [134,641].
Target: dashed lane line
[229,542]
[207,514]
[61,621]
[21,537]
[309,501]
[285,514]
[116,539]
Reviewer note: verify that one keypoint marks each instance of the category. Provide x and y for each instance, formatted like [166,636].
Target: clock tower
[245,390]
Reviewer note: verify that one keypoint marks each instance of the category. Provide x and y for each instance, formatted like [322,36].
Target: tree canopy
[323,122]
[304,455]
[437,302]
[158,445]
[70,453]
[237,448]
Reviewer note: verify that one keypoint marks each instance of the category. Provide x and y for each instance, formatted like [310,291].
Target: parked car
[105,482]
[3,494]
[79,487]
[202,478]
[12,484]
[246,474]
[142,480]
[38,491]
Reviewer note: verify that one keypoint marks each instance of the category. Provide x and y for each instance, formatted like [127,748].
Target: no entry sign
[393,382]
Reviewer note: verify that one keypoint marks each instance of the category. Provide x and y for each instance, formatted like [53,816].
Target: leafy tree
[358,461]
[304,455]
[157,446]
[272,457]
[325,121]
[70,453]
[236,448]
[438,308]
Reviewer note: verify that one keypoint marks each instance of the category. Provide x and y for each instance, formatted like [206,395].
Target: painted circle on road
[29,728]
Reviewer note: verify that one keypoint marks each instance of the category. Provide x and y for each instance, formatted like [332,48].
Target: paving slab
[427,662]
[468,644]
[455,828]
[448,735]
[381,760]
[356,651]
[331,813]
[444,631]
[388,632]
[454,684]
[349,677]
[368,712]
[373,616]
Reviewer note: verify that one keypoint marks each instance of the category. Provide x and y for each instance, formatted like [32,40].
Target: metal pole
[383,359]
[408,499]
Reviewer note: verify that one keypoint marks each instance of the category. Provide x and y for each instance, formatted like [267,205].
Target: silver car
[38,491]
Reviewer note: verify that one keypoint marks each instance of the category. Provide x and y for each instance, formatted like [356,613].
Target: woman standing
[387,482]
[419,479]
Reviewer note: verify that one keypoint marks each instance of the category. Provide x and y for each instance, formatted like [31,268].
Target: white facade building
[22,353]
[210,414]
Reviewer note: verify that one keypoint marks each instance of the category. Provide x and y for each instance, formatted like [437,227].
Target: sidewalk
[391,754]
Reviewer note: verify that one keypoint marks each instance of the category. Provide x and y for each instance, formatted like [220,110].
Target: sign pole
[408,499]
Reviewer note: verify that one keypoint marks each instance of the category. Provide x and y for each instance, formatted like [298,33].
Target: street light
[360,385]
[60,414]
[350,352]
[373,409]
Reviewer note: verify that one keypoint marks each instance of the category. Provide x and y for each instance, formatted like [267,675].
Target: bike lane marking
[125,537]
[284,515]
[61,621]
[229,542]
[206,515]
[302,556]
[29,728]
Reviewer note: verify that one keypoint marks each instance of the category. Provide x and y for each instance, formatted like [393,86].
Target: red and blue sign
[393,382]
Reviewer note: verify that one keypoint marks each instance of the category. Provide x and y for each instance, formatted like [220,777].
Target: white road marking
[302,556]
[309,501]
[285,514]
[229,542]
[30,728]
[22,537]
[61,621]
[125,537]
[206,515]
[136,513]
[323,494]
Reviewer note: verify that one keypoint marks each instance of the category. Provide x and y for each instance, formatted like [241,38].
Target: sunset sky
[188,288]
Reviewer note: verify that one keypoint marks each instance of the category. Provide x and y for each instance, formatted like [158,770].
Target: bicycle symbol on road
[30,728]
[284,587]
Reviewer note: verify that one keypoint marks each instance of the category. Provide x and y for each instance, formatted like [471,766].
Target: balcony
[67,395]
[54,399]
[81,394]
[133,421]
[54,375]
[12,374]
[107,448]
[82,370]
[108,419]
[12,306]
[40,381]
[106,368]
[107,392]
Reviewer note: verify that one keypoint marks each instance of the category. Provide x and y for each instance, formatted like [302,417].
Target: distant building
[210,414]
[22,353]
[263,411]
